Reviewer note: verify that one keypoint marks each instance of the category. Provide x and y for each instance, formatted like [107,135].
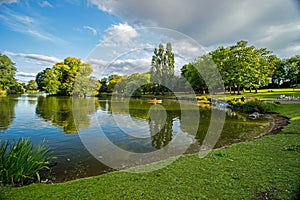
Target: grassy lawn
[293,112]
[265,168]
[265,94]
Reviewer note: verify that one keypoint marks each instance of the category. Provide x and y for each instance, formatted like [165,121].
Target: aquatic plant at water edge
[21,162]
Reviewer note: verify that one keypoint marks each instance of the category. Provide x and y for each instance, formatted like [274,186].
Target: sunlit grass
[243,171]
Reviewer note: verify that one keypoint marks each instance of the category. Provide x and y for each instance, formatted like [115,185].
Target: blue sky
[114,36]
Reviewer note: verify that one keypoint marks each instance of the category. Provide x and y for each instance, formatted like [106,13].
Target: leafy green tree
[47,81]
[32,86]
[84,83]
[162,70]
[117,83]
[103,87]
[66,73]
[292,70]
[62,77]
[201,74]
[242,66]
[192,75]
[7,76]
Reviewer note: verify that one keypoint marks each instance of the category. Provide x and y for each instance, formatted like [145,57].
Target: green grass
[265,94]
[293,112]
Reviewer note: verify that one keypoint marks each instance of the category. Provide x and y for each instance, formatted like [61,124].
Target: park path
[284,101]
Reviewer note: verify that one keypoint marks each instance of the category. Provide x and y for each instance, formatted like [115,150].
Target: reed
[21,163]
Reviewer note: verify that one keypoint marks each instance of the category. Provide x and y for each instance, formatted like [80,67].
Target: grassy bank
[266,168]
[291,111]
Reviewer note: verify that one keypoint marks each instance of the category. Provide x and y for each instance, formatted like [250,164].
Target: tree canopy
[243,66]
[8,82]
[70,77]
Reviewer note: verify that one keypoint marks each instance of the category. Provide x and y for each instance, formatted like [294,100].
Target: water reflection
[59,111]
[7,112]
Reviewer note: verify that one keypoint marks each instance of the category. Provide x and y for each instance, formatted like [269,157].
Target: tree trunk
[238,89]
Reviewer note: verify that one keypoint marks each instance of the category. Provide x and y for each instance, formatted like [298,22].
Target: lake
[90,136]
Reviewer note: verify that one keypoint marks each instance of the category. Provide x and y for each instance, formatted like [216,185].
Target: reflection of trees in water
[161,126]
[60,111]
[160,116]
[7,113]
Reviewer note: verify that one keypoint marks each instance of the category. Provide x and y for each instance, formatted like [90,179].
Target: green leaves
[242,66]
[71,77]
[21,162]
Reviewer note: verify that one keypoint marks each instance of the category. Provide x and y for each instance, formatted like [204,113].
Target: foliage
[202,74]
[292,70]
[254,105]
[70,77]
[115,83]
[103,85]
[32,86]
[132,89]
[47,81]
[237,172]
[244,67]
[162,70]
[20,162]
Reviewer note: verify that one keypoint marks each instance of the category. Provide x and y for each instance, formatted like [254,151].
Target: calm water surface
[64,123]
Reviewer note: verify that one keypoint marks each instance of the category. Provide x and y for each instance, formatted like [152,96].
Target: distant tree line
[240,66]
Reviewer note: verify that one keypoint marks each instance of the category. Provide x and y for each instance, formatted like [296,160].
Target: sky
[117,36]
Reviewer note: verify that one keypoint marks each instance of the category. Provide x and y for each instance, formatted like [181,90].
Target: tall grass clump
[21,163]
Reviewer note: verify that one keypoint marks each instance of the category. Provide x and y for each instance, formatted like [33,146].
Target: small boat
[154,101]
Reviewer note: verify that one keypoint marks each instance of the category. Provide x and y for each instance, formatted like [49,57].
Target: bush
[21,163]
[254,105]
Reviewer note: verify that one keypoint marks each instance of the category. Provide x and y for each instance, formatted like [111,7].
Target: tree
[32,86]
[292,70]
[62,77]
[66,73]
[116,83]
[192,75]
[103,87]
[47,81]
[7,76]
[85,84]
[242,66]
[162,70]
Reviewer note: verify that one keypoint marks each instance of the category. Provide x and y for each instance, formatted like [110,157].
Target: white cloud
[25,74]
[121,33]
[94,31]
[44,4]
[213,22]
[8,1]
[49,59]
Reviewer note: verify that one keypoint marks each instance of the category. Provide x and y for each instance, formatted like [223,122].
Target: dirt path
[284,101]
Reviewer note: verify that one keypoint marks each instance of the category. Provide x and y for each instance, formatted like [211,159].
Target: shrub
[21,163]
[254,105]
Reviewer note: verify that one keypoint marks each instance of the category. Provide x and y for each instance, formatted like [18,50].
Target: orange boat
[154,101]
